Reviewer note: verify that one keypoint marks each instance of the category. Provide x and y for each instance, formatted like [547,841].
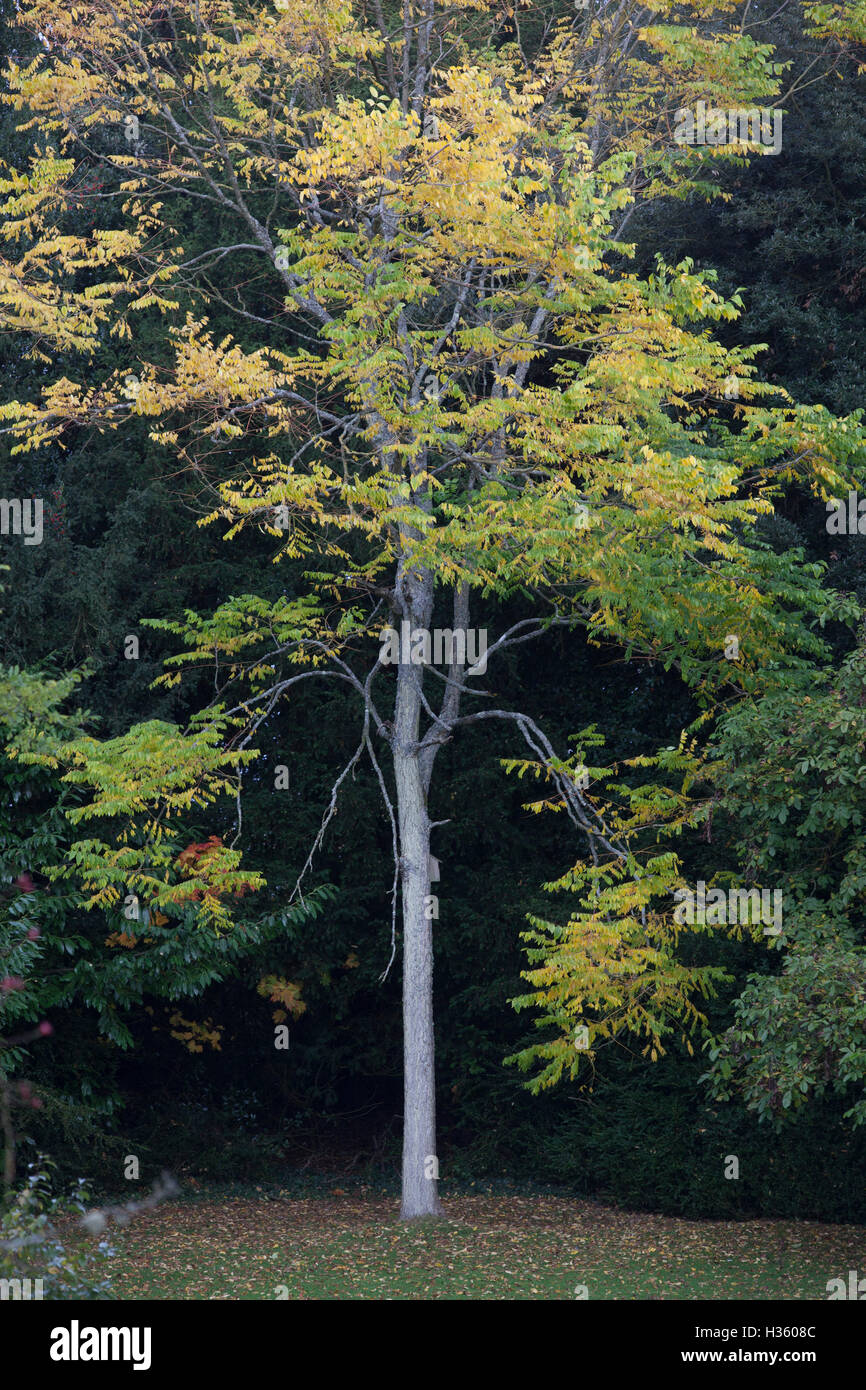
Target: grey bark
[420,1164]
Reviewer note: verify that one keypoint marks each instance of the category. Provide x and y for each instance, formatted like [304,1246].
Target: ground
[351,1245]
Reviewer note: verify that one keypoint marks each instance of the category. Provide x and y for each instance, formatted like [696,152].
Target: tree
[51,953]
[790,780]
[445,389]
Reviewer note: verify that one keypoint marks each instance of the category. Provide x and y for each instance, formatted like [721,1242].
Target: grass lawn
[351,1245]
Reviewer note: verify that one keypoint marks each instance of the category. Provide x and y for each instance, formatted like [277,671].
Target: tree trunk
[420,1163]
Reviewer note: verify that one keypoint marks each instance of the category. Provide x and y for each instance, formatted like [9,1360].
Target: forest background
[194,1083]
